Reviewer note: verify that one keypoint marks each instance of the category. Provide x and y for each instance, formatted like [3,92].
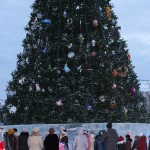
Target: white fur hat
[24,130]
[141,134]
[35,130]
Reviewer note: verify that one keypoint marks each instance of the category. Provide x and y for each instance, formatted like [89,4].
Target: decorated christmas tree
[75,67]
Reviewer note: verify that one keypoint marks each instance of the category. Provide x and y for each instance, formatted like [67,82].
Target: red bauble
[112,105]
[93,54]
[115,73]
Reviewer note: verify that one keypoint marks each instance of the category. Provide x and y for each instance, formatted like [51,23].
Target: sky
[133,17]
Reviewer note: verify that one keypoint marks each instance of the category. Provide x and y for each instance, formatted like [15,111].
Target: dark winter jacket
[128,144]
[142,143]
[121,146]
[110,138]
[134,145]
[22,141]
[148,145]
[98,145]
[64,140]
[13,142]
[51,142]
[6,141]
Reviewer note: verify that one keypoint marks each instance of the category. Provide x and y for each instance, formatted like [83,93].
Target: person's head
[120,139]
[127,136]
[11,131]
[101,132]
[149,137]
[80,130]
[64,132]
[24,130]
[35,130]
[15,130]
[85,131]
[51,131]
[109,125]
[136,137]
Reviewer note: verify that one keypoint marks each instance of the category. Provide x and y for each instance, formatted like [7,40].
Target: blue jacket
[98,145]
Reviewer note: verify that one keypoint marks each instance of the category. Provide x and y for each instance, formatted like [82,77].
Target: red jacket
[142,143]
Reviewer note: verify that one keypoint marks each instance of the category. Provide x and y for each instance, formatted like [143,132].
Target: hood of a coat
[142,138]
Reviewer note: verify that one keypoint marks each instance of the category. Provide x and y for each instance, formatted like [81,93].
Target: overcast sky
[134,19]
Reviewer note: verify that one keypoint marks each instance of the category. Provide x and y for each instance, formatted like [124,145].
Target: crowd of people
[104,140]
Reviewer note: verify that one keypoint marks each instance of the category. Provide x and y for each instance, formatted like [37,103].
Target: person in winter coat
[6,141]
[35,140]
[87,138]
[98,145]
[142,142]
[128,142]
[110,138]
[148,142]
[121,143]
[22,140]
[135,143]
[16,132]
[51,141]
[80,141]
[92,141]
[64,139]
[12,139]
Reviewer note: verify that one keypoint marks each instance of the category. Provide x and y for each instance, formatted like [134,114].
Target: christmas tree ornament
[95,23]
[30,88]
[59,103]
[114,86]
[69,45]
[49,67]
[133,90]
[81,38]
[43,90]
[130,66]
[125,113]
[78,7]
[69,21]
[88,46]
[79,68]
[65,14]
[115,73]
[128,56]
[47,39]
[101,64]
[71,55]
[113,105]
[88,107]
[108,13]
[11,93]
[44,50]
[47,21]
[102,98]
[37,86]
[93,54]
[123,74]
[12,109]
[93,42]
[39,16]
[66,68]
[80,26]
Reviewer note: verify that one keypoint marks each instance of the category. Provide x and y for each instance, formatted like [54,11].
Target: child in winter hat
[121,143]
